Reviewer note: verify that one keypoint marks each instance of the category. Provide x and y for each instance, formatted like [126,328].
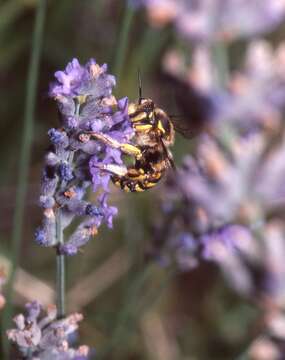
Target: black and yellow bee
[154,134]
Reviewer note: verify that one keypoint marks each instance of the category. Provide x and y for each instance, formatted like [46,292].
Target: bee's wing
[168,155]
[196,108]
[183,126]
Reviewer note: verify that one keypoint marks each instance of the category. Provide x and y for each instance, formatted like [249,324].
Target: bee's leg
[128,179]
[142,127]
[129,173]
[114,169]
[126,148]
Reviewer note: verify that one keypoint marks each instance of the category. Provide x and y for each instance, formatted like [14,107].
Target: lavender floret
[65,172]
[40,237]
[57,137]
[93,210]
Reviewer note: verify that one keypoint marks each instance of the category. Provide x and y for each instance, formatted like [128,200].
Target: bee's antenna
[140,86]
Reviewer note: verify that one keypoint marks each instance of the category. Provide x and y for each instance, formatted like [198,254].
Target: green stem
[60,258]
[24,160]
[136,303]
[123,42]
[138,282]
[220,57]
[151,43]
[10,11]
[221,60]
[60,269]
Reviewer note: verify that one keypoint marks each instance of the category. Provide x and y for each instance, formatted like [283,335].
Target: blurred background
[133,307]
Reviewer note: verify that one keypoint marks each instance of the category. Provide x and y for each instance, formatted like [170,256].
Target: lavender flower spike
[86,104]
[41,337]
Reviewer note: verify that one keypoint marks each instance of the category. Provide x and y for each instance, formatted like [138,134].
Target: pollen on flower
[81,99]
[93,231]
[70,193]
[95,70]
[49,213]
[111,101]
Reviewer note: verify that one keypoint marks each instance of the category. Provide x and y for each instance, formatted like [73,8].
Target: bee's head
[147,105]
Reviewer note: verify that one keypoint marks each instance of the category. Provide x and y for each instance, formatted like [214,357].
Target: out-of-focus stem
[60,269]
[220,58]
[24,161]
[123,42]
[135,304]
[151,43]
[221,62]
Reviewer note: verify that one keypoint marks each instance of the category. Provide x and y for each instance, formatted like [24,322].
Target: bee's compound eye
[148,105]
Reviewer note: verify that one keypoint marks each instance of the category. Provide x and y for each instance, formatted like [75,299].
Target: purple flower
[65,172]
[225,204]
[3,278]
[83,233]
[108,211]
[40,336]
[69,81]
[57,137]
[40,237]
[217,245]
[208,20]
[77,80]
[92,210]
[45,235]
[253,95]
[75,163]
[99,178]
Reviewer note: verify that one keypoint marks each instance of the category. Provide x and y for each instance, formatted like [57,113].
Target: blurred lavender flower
[256,270]
[86,106]
[252,96]
[40,336]
[264,348]
[243,183]
[3,279]
[240,229]
[216,208]
[208,20]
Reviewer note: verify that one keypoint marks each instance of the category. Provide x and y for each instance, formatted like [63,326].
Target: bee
[154,135]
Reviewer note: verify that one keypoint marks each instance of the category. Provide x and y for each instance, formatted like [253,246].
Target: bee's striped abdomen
[138,182]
